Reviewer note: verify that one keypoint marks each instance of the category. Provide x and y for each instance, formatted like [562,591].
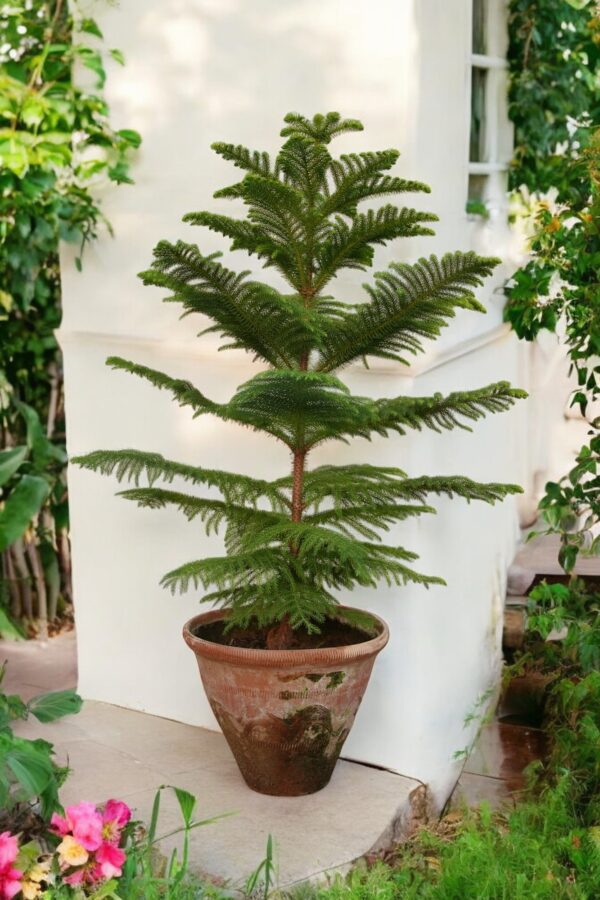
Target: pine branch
[231,572]
[213,513]
[439,412]
[455,486]
[187,395]
[366,519]
[362,416]
[408,303]
[306,606]
[344,486]
[254,316]
[276,209]
[304,164]
[249,160]
[246,236]
[184,391]
[132,465]
[351,246]
[322,128]
[357,177]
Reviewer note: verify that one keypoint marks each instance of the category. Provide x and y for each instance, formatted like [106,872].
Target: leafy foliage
[554,61]
[56,147]
[28,772]
[294,542]
[560,285]
[572,611]
[555,67]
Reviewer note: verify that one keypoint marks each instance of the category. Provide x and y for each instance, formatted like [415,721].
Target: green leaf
[187,804]
[8,630]
[31,767]
[90,26]
[92,60]
[133,138]
[117,56]
[43,451]
[22,505]
[10,460]
[55,705]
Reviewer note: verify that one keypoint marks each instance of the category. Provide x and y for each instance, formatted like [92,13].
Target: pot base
[283,757]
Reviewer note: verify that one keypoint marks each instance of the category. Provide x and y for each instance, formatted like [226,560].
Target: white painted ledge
[207,350]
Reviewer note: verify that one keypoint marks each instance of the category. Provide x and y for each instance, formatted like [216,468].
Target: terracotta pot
[285,713]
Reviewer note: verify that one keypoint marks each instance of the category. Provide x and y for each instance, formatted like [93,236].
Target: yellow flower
[31,884]
[30,889]
[71,853]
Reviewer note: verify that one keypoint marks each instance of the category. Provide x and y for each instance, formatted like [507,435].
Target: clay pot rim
[244,656]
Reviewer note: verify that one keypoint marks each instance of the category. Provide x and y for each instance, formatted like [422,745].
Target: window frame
[497,128]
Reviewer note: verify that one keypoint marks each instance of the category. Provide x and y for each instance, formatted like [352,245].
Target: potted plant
[284,666]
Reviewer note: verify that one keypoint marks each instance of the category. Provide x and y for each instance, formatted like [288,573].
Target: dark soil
[24,820]
[333,633]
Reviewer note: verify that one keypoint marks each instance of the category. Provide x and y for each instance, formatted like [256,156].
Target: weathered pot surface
[285,713]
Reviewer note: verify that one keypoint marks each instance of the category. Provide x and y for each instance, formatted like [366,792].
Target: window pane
[479,35]
[477,137]
[477,188]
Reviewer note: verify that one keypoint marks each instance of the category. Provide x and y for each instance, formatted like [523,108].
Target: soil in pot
[333,633]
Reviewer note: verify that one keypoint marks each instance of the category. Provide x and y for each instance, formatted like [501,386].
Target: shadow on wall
[208,68]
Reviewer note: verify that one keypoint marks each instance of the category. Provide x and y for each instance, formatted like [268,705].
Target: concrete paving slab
[115,752]
[540,557]
[36,666]
[473,790]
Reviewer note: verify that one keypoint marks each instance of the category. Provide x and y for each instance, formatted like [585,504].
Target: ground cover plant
[29,776]
[294,542]
[102,852]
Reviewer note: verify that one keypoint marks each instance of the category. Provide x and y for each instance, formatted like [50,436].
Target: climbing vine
[555,104]
[56,146]
[554,97]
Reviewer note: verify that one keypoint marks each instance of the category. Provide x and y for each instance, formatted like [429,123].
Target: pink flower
[110,859]
[116,811]
[74,879]
[59,825]
[9,849]
[10,883]
[88,874]
[115,816]
[86,825]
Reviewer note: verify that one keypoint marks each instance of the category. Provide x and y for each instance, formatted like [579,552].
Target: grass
[535,851]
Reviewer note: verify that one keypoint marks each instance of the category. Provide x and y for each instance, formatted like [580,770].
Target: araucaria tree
[294,542]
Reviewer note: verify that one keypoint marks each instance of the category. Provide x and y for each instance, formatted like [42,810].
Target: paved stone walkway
[115,752]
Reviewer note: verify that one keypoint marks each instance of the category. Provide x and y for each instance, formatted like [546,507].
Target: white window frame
[498,133]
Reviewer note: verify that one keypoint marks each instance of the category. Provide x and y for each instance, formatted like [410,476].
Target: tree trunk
[40,585]
[10,576]
[64,556]
[18,555]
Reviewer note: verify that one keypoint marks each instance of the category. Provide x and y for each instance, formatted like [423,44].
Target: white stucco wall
[205,70]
